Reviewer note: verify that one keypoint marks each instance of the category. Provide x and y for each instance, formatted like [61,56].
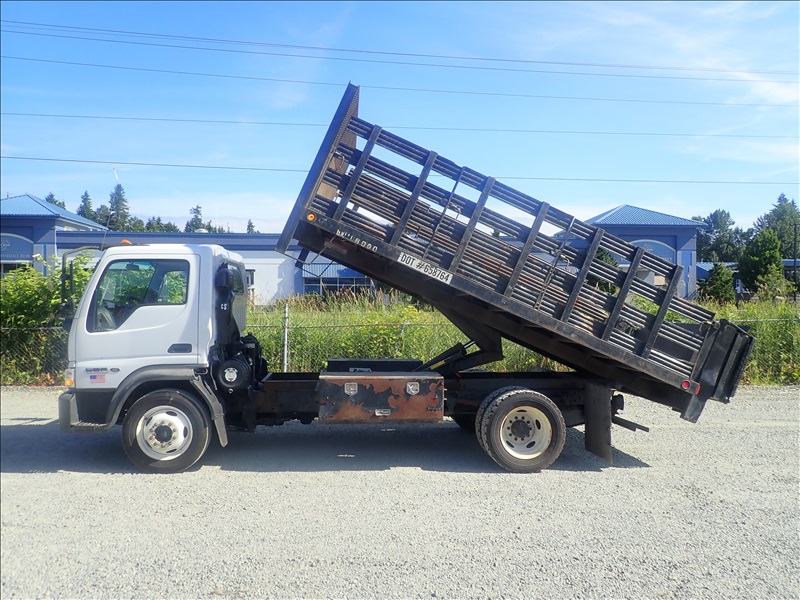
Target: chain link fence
[32,356]
[37,356]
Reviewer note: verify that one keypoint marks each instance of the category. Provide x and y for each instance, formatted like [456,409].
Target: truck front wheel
[165,431]
[522,430]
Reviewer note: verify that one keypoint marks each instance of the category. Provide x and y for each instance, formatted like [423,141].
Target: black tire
[178,433]
[521,430]
[482,410]
[466,422]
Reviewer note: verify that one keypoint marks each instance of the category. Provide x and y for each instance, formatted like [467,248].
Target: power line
[387,53]
[404,127]
[144,164]
[393,88]
[587,179]
[391,62]
[167,120]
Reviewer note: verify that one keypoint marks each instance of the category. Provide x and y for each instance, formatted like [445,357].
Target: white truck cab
[157,320]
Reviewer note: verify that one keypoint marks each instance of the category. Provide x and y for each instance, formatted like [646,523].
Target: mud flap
[597,407]
[217,412]
[693,408]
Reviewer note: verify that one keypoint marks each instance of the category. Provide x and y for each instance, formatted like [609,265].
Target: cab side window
[127,285]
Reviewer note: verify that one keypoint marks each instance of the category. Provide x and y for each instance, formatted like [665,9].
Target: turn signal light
[69,377]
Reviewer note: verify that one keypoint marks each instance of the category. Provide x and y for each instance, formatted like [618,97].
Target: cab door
[143,312]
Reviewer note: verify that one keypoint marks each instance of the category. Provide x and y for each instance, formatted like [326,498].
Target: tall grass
[776,327]
[393,327]
[349,327]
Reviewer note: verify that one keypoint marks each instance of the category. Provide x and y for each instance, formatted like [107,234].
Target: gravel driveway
[707,510]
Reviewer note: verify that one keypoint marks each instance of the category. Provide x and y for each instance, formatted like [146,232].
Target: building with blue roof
[669,237]
[28,228]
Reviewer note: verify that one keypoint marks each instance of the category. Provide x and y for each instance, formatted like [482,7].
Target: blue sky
[551,93]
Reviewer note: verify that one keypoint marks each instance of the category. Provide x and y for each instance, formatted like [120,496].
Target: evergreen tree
[156,224]
[215,228]
[135,224]
[196,222]
[782,219]
[719,285]
[51,198]
[119,210]
[251,228]
[102,215]
[720,241]
[761,256]
[85,209]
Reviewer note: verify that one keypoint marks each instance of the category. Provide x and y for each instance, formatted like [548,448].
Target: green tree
[719,285]
[156,224]
[102,215]
[720,241]
[85,209]
[772,285]
[136,224]
[196,222]
[51,198]
[120,214]
[760,255]
[251,228]
[782,219]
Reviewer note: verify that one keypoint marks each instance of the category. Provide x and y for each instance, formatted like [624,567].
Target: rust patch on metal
[380,397]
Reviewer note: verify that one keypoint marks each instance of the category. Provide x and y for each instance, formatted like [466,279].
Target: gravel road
[703,511]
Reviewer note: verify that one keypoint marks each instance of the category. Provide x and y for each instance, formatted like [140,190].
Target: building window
[8,267]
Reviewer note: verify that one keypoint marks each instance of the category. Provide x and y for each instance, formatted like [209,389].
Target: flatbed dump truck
[156,344]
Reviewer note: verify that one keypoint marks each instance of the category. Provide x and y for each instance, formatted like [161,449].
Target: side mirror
[66,313]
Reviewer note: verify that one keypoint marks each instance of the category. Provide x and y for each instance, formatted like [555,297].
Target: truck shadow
[43,448]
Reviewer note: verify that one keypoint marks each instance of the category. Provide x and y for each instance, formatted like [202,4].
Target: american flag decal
[97,378]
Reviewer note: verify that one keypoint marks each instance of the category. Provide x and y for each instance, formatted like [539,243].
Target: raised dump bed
[500,263]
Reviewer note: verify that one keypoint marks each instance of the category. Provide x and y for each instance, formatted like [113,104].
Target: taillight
[69,377]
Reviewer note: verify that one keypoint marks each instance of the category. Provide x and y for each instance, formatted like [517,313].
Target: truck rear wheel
[488,401]
[166,431]
[522,430]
